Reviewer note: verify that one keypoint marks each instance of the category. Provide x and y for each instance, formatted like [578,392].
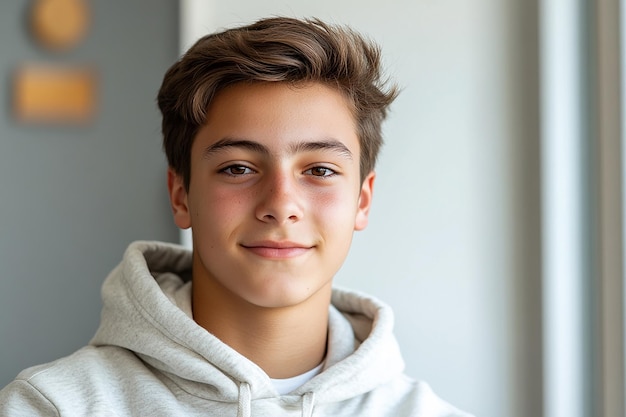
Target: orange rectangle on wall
[57,94]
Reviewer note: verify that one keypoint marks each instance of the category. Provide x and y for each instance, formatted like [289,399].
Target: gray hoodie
[149,358]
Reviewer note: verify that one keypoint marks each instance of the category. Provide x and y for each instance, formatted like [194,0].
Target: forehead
[280,113]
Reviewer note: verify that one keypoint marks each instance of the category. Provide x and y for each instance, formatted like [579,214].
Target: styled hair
[277,49]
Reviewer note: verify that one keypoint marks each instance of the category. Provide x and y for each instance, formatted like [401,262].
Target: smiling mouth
[277,250]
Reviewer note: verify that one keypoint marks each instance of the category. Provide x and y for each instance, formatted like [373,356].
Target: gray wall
[72,198]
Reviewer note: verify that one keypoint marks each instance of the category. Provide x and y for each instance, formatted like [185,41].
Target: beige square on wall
[54,94]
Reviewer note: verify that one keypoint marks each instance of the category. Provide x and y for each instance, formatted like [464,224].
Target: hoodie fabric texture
[149,358]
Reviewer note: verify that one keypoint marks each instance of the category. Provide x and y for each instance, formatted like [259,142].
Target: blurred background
[496,232]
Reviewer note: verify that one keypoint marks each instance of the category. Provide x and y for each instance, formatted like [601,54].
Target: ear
[178,199]
[365,202]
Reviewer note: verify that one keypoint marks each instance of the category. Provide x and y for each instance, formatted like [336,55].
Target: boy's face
[275,193]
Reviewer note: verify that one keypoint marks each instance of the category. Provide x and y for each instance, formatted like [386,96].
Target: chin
[286,296]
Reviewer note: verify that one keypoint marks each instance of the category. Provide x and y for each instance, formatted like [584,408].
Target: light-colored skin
[274,198]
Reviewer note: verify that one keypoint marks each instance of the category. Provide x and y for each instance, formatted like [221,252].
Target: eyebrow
[227,143]
[304,146]
[327,144]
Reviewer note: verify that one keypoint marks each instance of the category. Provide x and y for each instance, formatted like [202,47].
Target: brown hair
[276,49]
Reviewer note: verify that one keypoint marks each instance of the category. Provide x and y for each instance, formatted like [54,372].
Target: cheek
[337,209]
[227,206]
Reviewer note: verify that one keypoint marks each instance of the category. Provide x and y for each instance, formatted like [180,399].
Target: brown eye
[236,170]
[320,172]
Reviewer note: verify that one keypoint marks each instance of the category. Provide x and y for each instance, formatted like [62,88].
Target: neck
[283,341]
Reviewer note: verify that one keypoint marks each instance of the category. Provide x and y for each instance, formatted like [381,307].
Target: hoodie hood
[147,307]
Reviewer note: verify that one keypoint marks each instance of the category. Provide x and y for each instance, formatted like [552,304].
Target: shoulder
[88,362]
[43,389]
[429,404]
[405,396]
[20,398]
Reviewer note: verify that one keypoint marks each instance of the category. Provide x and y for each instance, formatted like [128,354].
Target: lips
[277,249]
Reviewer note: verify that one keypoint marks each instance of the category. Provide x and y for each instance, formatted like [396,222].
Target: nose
[280,200]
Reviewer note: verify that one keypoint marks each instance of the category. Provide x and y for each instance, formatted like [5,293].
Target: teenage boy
[271,133]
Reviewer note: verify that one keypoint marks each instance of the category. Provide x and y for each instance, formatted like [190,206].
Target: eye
[237,170]
[320,172]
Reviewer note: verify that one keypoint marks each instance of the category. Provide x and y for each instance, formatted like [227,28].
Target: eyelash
[228,170]
[331,172]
